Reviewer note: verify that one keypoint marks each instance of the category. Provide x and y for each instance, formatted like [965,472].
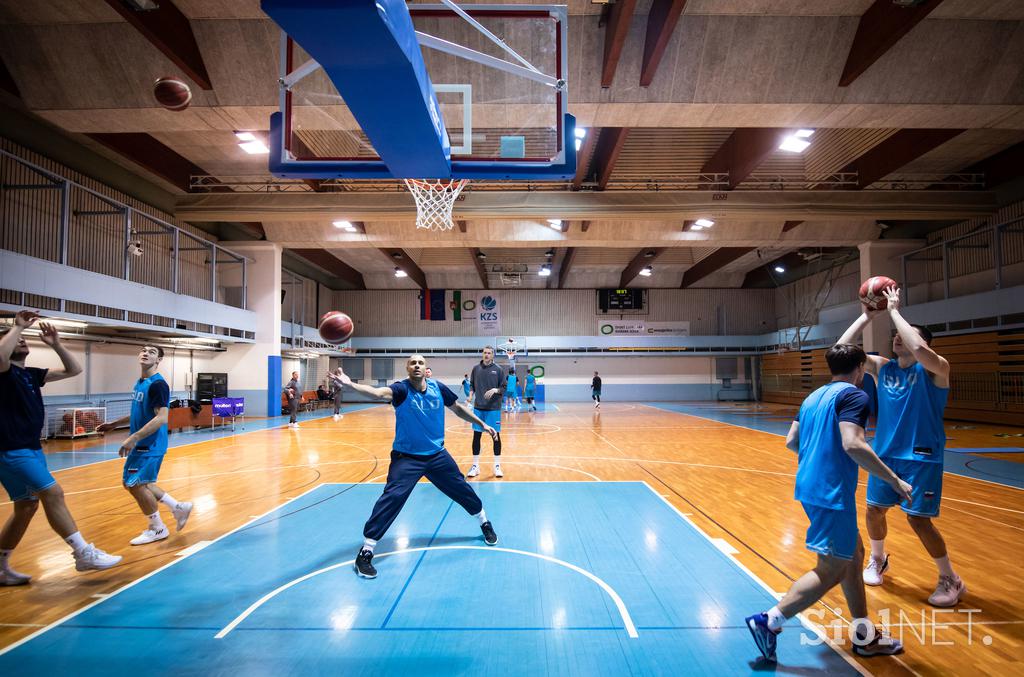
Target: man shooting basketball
[912,392]
[488,381]
[418,450]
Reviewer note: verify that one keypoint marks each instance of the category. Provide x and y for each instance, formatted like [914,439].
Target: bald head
[416,367]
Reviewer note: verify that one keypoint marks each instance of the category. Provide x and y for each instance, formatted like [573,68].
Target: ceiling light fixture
[581,134]
[555,224]
[70,324]
[545,270]
[251,144]
[779,269]
[646,271]
[704,223]
[797,142]
[347,225]
[550,253]
[400,273]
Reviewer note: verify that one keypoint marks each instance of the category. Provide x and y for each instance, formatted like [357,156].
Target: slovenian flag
[432,304]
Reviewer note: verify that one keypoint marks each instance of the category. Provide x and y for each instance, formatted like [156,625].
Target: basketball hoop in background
[510,347]
[434,201]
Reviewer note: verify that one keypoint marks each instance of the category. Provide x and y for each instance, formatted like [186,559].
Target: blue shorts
[491,417]
[141,467]
[926,480]
[832,532]
[23,472]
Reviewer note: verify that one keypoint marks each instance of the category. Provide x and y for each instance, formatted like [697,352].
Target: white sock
[155,523]
[878,549]
[945,568]
[476,460]
[167,500]
[775,619]
[368,544]
[482,516]
[5,555]
[76,541]
[497,462]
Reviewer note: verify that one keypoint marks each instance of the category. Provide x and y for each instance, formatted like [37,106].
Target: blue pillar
[274,385]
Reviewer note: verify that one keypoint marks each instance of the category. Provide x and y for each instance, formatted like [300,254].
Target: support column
[254,369]
[882,257]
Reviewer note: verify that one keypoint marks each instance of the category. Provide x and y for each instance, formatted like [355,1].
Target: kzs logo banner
[489,321]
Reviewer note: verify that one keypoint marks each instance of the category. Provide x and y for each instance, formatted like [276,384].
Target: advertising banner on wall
[641,328]
[489,315]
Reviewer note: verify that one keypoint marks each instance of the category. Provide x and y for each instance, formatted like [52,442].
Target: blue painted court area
[62,460]
[964,462]
[580,567]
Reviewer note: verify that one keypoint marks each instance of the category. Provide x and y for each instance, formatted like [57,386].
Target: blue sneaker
[763,636]
[882,644]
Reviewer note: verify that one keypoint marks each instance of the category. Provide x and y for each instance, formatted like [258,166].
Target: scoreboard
[618,300]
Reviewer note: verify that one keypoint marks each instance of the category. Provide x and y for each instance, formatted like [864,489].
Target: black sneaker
[364,564]
[490,538]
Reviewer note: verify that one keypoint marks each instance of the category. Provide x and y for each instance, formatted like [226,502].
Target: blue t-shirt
[150,394]
[466,385]
[419,416]
[510,385]
[21,404]
[826,476]
[531,386]
[910,408]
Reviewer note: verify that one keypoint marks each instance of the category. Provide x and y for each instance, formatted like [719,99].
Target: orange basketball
[871,292]
[336,327]
[172,93]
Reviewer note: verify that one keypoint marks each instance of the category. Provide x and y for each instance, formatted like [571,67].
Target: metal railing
[51,217]
[984,253]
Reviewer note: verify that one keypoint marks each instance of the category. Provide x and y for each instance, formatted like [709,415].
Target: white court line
[194,548]
[725,546]
[627,620]
[742,567]
[139,580]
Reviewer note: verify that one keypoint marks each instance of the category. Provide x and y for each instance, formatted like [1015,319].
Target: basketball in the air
[335,327]
[172,93]
[871,292]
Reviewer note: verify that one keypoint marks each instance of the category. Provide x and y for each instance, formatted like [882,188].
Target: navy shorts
[926,480]
[832,532]
[23,473]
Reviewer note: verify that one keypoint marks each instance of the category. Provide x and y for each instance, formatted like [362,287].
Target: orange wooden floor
[735,483]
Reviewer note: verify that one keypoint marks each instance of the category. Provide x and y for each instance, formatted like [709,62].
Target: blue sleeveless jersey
[510,386]
[419,420]
[826,476]
[142,413]
[910,410]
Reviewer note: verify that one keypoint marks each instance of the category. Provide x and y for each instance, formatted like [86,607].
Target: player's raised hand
[892,298]
[341,377]
[25,318]
[49,336]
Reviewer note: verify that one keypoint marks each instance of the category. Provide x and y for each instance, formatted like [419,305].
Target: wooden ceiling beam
[881,27]
[1006,165]
[168,30]
[714,262]
[333,265]
[607,153]
[584,159]
[480,269]
[897,151]
[644,257]
[401,259]
[615,31]
[147,151]
[563,270]
[661,23]
[743,151]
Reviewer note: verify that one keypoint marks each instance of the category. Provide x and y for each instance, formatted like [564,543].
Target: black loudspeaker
[209,386]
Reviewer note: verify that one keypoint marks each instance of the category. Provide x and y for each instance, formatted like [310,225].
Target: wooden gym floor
[735,484]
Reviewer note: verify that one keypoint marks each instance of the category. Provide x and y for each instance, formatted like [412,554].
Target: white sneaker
[337,416]
[473,471]
[294,425]
[497,471]
[150,536]
[181,513]
[9,576]
[874,570]
[91,557]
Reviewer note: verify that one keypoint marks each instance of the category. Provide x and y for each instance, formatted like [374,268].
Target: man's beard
[19,355]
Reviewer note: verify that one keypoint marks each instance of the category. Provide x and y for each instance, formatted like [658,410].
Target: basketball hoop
[434,201]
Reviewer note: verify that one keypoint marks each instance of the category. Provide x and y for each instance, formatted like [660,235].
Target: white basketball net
[434,201]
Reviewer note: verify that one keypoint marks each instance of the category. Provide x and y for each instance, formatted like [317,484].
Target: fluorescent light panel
[704,223]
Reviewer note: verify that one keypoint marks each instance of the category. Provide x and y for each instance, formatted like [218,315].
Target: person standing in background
[293,391]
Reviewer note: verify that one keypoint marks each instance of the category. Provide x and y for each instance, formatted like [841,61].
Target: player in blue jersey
[146,446]
[529,390]
[828,437]
[23,470]
[418,450]
[467,386]
[510,389]
[910,437]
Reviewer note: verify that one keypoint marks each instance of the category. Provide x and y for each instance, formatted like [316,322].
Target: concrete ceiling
[729,64]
